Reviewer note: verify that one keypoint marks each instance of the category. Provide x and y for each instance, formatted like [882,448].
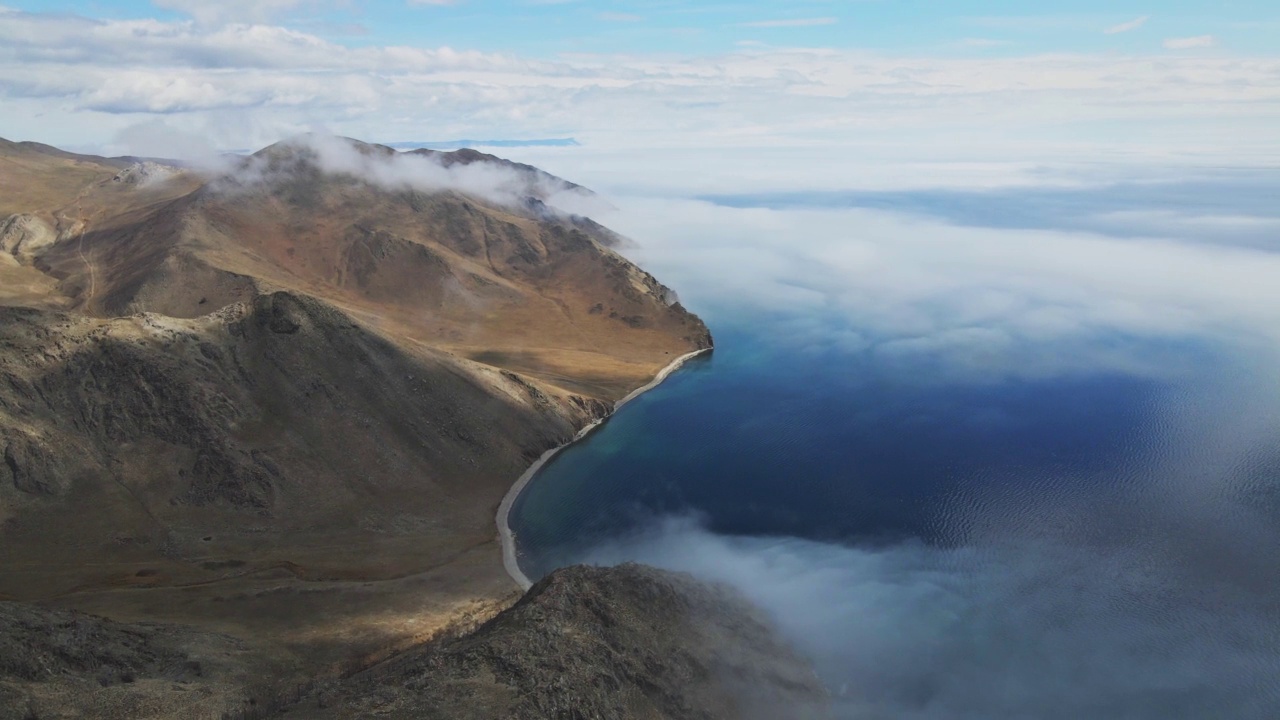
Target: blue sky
[548,27]
[973,81]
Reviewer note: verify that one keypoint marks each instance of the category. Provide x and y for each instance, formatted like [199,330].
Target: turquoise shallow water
[1084,544]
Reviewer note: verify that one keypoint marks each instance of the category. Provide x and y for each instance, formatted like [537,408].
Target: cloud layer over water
[1056,626]
[1150,594]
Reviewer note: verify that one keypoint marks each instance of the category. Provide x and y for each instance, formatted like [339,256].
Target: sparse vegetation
[282,410]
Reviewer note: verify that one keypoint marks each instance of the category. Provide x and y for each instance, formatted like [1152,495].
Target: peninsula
[257,420]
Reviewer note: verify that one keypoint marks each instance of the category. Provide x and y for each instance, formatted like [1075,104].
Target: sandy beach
[504,510]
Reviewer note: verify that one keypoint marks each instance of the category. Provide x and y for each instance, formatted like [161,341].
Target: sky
[1000,188]
[1187,80]
[545,28]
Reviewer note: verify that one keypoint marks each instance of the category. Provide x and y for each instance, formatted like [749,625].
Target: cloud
[1143,592]
[1058,623]
[618,17]
[970,304]
[1150,595]
[1127,26]
[1186,43]
[788,23]
[1229,207]
[157,139]
[95,77]
[394,171]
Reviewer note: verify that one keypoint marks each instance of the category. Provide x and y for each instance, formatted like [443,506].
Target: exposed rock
[67,664]
[30,464]
[145,173]
[23,236]
[618,643]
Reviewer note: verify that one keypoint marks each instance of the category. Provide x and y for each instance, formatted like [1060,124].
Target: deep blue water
[757,439]
[1059,544]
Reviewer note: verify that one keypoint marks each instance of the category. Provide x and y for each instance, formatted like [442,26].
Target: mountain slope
[283,401]
[607,643]
[66,664]
[510,283]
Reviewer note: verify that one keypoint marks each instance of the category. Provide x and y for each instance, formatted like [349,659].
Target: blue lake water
[1093,543]
[757,439]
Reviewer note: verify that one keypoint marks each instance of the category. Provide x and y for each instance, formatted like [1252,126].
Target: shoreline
[509,561]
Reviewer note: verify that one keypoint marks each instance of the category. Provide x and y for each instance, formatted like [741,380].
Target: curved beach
[508,537]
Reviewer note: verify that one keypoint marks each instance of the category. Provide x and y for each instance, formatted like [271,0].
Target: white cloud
[398,171]
[991,629]
[936,302]
[1186,43]
[618,17]
[96,77]
[984,301]
[1127,26]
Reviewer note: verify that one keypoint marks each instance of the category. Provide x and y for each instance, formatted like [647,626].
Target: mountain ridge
[281,402]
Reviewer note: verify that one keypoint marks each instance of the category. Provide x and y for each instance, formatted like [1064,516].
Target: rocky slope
[603,643]
[606,643]
[279,404]
[67,664]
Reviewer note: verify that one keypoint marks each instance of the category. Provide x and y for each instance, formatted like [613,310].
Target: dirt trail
[93,275]
[86,225]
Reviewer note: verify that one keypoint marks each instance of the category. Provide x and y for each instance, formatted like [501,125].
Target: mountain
[608,643]
[605,643]
[281,401]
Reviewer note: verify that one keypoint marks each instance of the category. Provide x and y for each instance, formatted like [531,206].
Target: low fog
[1157,600]
[1152,596]
[1051,625]
[960,301]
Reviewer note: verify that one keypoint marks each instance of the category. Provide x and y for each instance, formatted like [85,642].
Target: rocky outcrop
[617,643]
[145,173]
[67,664]
[23,236]
[622,643]
[30,463]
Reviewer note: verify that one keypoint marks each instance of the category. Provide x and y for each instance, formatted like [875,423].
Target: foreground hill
[610,644]
[281,402]
[607,643]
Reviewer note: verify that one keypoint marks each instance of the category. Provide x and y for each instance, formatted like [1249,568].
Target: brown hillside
[283,402]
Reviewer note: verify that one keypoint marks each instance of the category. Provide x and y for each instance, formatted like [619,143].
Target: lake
[1092,542]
